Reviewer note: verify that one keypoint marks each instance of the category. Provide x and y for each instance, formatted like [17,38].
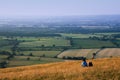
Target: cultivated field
[6,48]
[41,53]
[78,35]
[24,61]
[78,53]
[4,43]
[87,35]
[46,42]
[88,43]
[45,49]
[108,52]
[103,69]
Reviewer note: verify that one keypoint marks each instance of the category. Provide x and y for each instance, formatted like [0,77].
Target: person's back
[90,64]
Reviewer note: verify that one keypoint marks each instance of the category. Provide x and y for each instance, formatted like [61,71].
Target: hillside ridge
[103,69]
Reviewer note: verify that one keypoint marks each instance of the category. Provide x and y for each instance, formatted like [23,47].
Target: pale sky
[37,8]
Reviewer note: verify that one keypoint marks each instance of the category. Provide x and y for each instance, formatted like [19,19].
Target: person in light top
[84,63]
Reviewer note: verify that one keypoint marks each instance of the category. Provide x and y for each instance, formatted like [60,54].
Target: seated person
[90,64]
[84,63]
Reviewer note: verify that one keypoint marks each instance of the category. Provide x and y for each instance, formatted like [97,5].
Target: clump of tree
[116,35]
[73,58]
[3,64]
[15,46]
[39,58]
[10,56]
[53,45]
[93,55]
[43,55]
[28,58]
[21,54]
[31,54]
[5,53]
[103,38]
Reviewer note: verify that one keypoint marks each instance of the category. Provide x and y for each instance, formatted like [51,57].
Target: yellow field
[78,53]
[103,69]
[108,52]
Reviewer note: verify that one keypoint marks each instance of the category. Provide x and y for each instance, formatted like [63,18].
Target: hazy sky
[58,7]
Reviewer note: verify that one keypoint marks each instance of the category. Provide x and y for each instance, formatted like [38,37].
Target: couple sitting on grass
[84,63]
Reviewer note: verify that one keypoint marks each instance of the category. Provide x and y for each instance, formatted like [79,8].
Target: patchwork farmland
[88,53]
[78,53]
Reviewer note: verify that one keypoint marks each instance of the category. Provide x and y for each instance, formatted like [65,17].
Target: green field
[28,39]
[41,53]
[46,42]
[3,57]
[45,49]
[6,48]
[23,61]
[4,43]
[118,41]
[78,35]
[33,43]
[88,43]
[87,35]
[107,33]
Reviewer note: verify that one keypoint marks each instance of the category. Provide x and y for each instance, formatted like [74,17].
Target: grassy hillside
[103,69]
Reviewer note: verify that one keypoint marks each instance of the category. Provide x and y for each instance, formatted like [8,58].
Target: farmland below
[88,53]
[28,42]
[22,51]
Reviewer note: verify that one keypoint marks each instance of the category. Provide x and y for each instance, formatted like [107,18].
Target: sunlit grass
[103,69]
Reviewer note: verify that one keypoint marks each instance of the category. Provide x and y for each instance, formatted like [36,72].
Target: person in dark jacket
[90,64]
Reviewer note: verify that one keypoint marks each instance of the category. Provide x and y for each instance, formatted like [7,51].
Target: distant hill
[103,69]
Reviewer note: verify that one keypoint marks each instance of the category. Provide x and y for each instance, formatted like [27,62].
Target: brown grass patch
[103,69]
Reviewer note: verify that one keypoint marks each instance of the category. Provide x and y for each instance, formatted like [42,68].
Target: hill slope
[103,69]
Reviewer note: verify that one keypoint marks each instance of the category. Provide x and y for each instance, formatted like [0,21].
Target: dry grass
[103,69]
[78,53]
[108,52]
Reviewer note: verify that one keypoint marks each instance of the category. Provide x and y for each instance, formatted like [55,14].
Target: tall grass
[103,69]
